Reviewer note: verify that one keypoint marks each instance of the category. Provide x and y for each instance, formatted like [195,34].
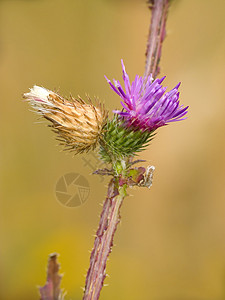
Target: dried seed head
[78,124]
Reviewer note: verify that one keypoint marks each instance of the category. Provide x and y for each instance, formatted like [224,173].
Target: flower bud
[78,124]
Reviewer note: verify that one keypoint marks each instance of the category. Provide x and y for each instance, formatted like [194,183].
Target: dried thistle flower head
[78,124]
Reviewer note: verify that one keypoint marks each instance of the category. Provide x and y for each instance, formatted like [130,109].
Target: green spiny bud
[118,141]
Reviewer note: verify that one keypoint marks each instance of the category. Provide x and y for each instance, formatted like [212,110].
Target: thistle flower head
[146,106]
[78,124]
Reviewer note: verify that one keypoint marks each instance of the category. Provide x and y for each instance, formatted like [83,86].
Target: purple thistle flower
[145,104]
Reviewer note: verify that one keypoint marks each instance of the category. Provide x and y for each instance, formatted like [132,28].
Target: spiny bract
[78,124]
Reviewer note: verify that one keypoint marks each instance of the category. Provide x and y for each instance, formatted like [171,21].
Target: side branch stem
[110,217]
[157,32]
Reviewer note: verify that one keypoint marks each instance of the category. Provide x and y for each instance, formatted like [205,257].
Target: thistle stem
[110,215]
[157,32]
[109,220]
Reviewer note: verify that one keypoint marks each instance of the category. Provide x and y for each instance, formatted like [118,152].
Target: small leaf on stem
[51,290]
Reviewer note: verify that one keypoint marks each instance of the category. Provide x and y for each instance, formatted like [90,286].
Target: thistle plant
[146,106]
[83,126]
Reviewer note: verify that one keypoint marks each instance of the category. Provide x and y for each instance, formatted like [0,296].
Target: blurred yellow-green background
[170,244]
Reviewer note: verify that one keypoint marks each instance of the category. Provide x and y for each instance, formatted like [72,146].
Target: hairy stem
[110,215]
[157,32]
[109,220]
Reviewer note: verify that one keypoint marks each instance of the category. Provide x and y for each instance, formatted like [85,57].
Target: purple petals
[146,104]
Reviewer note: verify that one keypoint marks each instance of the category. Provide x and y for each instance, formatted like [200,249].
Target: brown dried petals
[78,124]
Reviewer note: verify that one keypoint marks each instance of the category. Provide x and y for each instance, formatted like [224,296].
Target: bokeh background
[170,244]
